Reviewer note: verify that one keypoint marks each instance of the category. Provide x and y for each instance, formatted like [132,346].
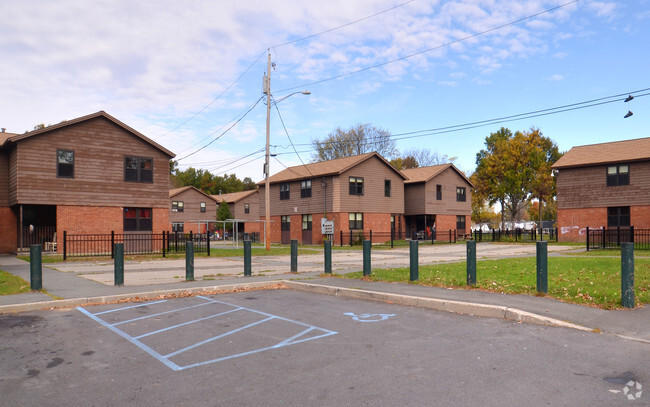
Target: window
[306,222]
[439,192]
[284,191]
[356,220]
[387,187]
[618,216]
[305,189]
[618,175]
[460,222]
[137,219]
[356,186]
[202,206]
[460,194]
[138,169]
[65,163]
[247,208]
[285,223]
[178,206]
[177,227]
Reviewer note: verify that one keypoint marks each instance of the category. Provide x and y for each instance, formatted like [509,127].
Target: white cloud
[555,78]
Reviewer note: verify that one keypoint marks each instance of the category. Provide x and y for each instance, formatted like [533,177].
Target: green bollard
[118,263]
[366,257]
[328,256]
[471,262]
[189,261]
[35,267]
[627,275]
[542,267]
[414,272]
[294,256]
[247,258]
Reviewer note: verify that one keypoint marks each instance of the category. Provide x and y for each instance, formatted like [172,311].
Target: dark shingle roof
[605,153]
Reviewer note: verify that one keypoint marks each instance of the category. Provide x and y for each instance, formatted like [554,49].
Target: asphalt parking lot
[288,348]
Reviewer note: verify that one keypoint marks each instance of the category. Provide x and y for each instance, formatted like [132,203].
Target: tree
[223,211]
[514,168]
[209,183]
[420,157]
[359,139]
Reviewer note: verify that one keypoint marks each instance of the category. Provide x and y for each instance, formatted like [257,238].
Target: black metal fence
[393,238]
[82,245]
[42,235]
[612,238]
[516,235]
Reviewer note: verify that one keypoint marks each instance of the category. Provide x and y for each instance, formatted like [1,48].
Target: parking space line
[165,359]
[187,323]
[166,312]
[129,338]
[129,307]
[214,338]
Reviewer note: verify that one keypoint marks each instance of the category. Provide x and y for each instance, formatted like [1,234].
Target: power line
[342,26]
[215,99]
[289,137]
[431,49]
[226,131]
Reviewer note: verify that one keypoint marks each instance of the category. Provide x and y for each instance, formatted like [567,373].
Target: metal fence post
[112,244]
[366,257]
[247,258]
[163,244]
[189,260]
[294,256]
[414,265]
[65,245]
[328,256]
[207,235]
[119,263]
[542,267]
[35,267]
[471,262]
[627,275]
[587,238]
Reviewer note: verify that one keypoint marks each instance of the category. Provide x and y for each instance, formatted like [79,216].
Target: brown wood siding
[192,199]
[99,147]
[12,176]
[254,201]
[414,196]
[448,205]
[373,172]
[4,179]
[296,204]
[586,187]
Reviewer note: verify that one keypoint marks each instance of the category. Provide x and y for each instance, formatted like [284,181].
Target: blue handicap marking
[369,317]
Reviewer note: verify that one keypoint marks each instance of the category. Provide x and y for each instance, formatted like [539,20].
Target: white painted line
[129,307]
[187,323]
[166,312]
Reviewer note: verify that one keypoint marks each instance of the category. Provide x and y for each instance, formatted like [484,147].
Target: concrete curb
[458,307]
[110,299]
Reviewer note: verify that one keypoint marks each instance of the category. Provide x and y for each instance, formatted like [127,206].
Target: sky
[437,74]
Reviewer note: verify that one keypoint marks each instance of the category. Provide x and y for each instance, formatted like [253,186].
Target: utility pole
[267,183]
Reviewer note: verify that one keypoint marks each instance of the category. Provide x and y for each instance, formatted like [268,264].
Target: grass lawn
[581,280]
[10,284]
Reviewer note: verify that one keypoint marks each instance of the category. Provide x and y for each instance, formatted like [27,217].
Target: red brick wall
[100,220]
[8,231]
[444,223]
[572,223]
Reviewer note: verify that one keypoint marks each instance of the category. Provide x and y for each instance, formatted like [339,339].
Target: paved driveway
[343,261]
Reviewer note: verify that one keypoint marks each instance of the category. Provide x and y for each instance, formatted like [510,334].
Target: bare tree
[359,139]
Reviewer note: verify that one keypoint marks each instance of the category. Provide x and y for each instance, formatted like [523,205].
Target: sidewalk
[92,282]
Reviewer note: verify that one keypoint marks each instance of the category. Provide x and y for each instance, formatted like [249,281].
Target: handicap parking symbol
[369,317]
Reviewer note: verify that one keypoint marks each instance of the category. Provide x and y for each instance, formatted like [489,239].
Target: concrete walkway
[88,282]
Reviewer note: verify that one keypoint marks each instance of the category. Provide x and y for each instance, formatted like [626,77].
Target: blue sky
[182,73]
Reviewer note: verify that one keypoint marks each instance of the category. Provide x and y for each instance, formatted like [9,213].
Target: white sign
[326,226]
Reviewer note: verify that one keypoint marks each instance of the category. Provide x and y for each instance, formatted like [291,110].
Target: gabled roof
[605,153]
[234,196]
[326,168]
[426,174]
[177,191]
[13,138]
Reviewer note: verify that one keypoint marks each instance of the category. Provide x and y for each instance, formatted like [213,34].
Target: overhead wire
[289,137]
[468,37]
